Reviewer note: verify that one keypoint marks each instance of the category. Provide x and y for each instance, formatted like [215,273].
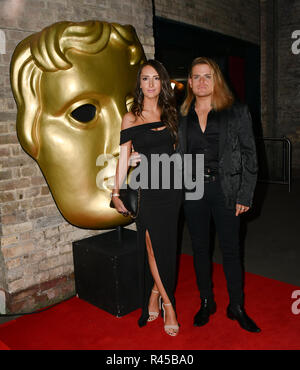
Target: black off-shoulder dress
[159,210]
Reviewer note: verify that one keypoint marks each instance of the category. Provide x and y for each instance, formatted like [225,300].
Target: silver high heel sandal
[154,315]
[168,327]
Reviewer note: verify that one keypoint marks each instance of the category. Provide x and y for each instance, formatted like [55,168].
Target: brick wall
[280,76]
[288,78]
[235,18]
[36,262]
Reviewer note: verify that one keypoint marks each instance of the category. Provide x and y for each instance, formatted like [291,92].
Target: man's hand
[239,209]
[134,159]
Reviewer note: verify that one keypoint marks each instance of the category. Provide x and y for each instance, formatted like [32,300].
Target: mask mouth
[108,183]
[105,179]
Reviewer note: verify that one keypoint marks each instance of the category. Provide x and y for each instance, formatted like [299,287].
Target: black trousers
[198,215]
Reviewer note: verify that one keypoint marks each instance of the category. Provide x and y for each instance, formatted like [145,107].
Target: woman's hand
[134,159]
[239,209]
[119,206]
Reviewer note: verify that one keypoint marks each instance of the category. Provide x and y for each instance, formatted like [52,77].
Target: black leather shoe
[238,313]
[207,308]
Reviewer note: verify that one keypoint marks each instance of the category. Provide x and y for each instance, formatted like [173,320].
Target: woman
[151,128]
[214,125]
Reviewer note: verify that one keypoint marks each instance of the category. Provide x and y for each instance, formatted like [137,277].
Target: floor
[270,235]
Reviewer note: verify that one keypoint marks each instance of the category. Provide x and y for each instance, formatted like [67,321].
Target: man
[214,125]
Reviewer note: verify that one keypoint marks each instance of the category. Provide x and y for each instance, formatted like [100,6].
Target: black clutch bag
[131,200]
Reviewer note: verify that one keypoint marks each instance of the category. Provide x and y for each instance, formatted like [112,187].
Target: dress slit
[163,238]
[157,268]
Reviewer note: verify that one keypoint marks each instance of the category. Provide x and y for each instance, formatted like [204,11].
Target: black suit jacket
[237,154]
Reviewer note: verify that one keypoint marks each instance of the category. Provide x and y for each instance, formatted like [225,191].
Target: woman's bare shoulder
[128,120]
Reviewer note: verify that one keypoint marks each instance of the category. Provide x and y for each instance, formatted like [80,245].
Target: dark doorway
[177,44]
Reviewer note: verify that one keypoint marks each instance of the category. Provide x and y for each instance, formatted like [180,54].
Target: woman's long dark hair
[166,99]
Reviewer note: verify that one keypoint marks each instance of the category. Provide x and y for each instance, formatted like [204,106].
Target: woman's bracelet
[114,195]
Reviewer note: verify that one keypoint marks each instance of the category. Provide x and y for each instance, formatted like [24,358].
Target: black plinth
[106,271]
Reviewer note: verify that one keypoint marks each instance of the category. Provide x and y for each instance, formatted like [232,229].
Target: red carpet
[76,324]
[3,346]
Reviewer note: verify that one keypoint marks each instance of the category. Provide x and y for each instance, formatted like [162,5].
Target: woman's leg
[153,305]
[170,318]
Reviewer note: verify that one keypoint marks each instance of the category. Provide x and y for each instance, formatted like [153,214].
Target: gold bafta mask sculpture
[73,82]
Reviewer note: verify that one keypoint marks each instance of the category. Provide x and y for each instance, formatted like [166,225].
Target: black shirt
[206,142]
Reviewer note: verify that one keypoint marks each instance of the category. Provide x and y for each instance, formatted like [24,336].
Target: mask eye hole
[85,113]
